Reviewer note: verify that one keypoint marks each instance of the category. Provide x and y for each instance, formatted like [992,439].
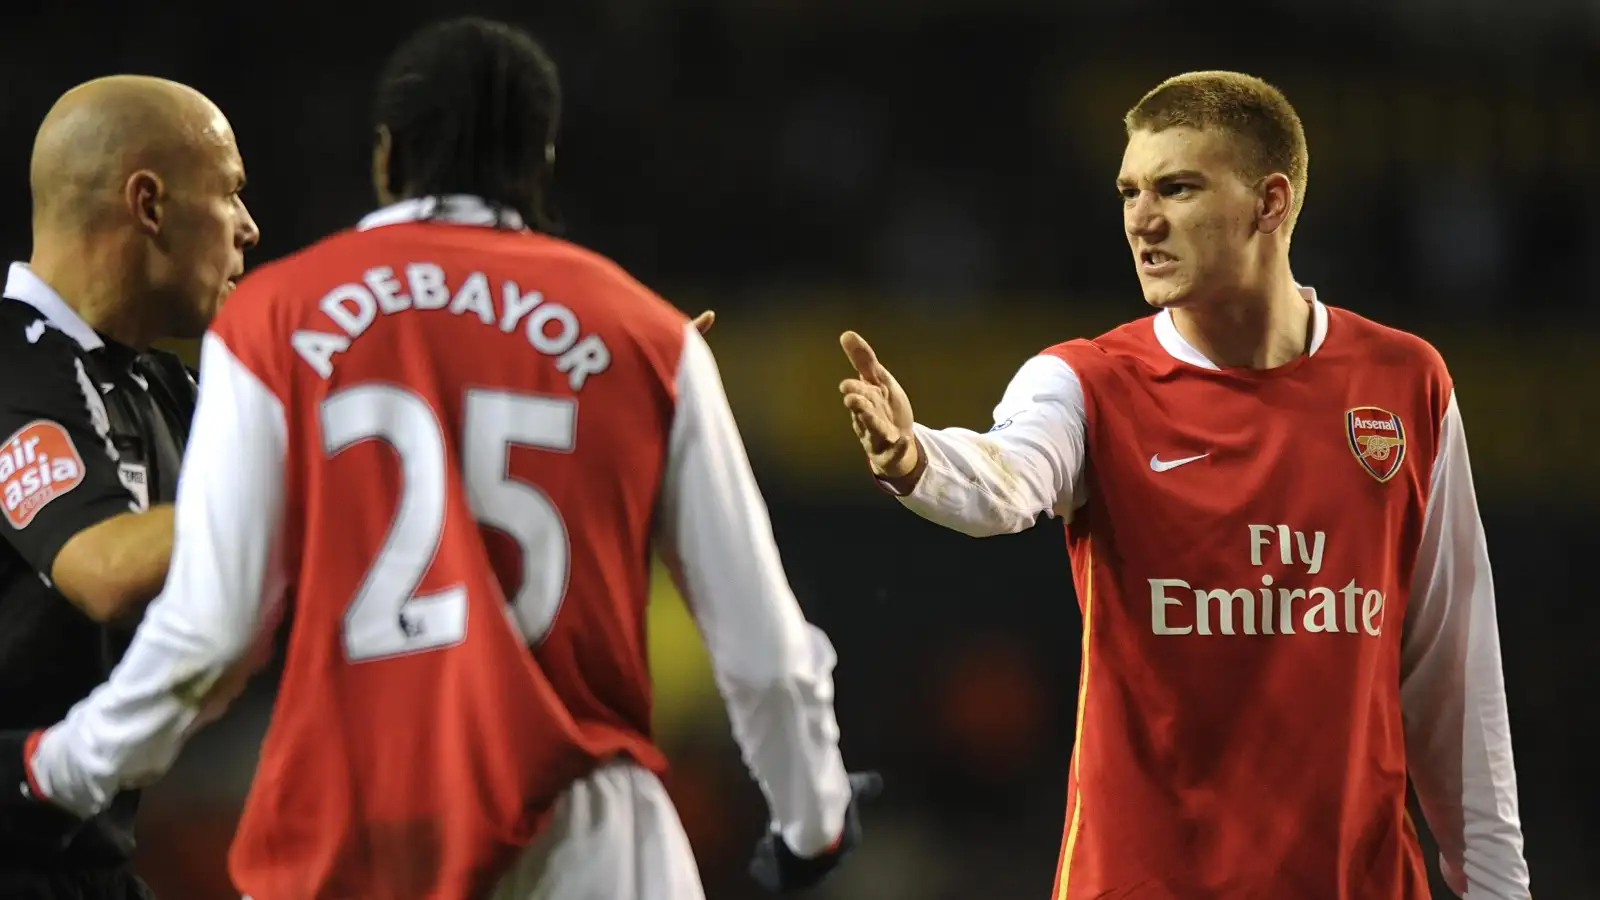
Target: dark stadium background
[938,174]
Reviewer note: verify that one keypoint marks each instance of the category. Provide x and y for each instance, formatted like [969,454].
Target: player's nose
[1142,217]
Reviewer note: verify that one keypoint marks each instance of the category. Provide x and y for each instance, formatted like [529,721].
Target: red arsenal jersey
[1243,563]
[478,429]
[1287,611]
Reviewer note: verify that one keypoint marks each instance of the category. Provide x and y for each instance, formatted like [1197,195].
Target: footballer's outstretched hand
[880,413]
[704,321]
[777,868]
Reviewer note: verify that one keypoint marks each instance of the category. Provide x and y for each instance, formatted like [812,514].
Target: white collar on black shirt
[1183,351]
[456,209]
[22,284]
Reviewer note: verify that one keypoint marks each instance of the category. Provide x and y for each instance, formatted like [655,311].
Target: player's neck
[77,273]
[1254,332]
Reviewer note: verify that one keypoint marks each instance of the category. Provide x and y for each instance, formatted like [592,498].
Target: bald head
[138,219]
[102,132]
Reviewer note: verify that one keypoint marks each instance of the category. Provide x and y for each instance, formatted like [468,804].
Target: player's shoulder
[274,289]
[1374,343]
[603,282]
[1411,367]
[321,257]
[610,301]
[1125,343]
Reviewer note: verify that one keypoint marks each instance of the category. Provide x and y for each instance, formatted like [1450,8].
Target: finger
[863,358]
[861,405]
[857,386]
[764,865]
[876,426]
[704,321]
[865,785]
[861,430]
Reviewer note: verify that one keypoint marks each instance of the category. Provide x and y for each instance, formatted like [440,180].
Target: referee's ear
[143,192]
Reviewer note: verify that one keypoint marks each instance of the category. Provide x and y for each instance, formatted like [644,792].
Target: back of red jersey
[478,423]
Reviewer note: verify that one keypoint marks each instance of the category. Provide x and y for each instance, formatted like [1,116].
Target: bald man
[138,235]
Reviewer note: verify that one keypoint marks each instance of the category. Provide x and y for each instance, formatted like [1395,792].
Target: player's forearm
[129,730]
[113,569]
[774,670]
[775,673]
[789,738]
[189,658]
[978,484]
[1463,773]
[1458,741]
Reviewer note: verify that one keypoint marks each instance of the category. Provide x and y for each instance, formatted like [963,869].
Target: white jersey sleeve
[1030,463]
[1452,690]
[194,648]
[774,669]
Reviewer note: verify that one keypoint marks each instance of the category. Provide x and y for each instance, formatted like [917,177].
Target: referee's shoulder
[30,347]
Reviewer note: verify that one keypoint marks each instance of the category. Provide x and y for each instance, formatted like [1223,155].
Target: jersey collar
[1183,351]
[26,287]
[456,209]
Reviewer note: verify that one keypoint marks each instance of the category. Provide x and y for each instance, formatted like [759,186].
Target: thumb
[863,358]
[704,321]
[865,785]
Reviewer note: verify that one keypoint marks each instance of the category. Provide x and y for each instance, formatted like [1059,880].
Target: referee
[138,234]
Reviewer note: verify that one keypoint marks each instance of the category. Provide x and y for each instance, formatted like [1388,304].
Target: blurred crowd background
[938,174]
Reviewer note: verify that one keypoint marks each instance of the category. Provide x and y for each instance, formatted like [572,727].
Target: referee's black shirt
[92,429]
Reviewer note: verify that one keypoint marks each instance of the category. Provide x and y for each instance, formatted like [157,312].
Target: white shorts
[613,836]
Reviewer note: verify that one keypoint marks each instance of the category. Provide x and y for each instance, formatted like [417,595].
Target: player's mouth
[1156,262]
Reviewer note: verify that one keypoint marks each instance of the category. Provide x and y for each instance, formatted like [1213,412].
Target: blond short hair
[1258,115]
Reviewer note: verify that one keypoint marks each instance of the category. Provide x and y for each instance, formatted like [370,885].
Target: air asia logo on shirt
[1378,439]
[37,465]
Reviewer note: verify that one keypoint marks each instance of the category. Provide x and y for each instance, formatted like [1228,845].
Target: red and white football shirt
[1287,607]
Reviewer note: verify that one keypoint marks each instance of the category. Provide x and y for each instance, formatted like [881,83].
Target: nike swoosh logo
[1157,464]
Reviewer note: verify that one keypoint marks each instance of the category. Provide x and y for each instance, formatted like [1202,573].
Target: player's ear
[382,147]
[545,218]
[143,194]
[1274,202]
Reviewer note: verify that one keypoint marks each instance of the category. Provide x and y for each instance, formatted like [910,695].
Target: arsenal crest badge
[1378,439]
